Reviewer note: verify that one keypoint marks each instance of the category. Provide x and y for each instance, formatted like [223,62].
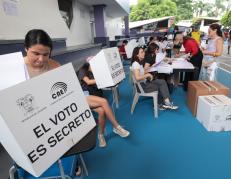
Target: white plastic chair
[140,92]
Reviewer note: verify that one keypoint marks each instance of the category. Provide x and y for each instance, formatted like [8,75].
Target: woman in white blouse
[148,83]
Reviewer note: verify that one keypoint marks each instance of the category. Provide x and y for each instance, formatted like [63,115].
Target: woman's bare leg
[101,119]
[95,101]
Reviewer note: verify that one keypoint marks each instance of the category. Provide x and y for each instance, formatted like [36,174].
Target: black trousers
[159,85]
[196,60]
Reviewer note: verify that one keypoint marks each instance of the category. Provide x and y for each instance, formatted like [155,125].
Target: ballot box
[107,67]
[43,117]
[214,112]
[202,88]
[130,47]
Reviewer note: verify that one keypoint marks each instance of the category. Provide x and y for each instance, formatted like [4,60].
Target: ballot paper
[159,58]
[12,70]
[162,68]
[181,63]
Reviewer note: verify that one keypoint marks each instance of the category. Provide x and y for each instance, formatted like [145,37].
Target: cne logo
[58,89]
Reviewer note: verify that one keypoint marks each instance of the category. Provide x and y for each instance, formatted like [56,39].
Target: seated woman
[87,80]
[38,47]
[150,56]
[150,85]
[99,105]
[150,60]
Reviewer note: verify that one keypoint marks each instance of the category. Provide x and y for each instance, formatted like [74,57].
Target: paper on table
[162,68]
[12,70]
[181,63]
[159,58]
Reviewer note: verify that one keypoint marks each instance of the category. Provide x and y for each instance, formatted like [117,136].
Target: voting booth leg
[115,95]
[61,169]
[83,164]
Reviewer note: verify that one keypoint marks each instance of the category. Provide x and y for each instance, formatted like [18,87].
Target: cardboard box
[214,112]
[202,88]
[39,125]
[107,67]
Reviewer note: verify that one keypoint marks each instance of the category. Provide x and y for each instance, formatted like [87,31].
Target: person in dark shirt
[150,60]
[99,105]
[87,81]
[150,55]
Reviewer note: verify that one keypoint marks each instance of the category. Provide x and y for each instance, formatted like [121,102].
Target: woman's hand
[177,55]
[149,77]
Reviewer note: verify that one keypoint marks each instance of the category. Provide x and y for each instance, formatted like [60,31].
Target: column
[126,25]
[100,29]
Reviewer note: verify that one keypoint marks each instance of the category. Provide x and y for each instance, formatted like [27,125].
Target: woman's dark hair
[151,38]
[135,52]
[125,42]
[175,34]
[86,66]
[152,48]
[216,27]
[37,36]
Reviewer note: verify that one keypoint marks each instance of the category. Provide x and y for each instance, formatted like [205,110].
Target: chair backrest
[85,144]
[137,85]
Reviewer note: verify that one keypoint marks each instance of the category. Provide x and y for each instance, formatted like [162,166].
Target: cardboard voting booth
[141,41]
[12,70]
[214,112]
[42,118]
[107,67]
[130,46]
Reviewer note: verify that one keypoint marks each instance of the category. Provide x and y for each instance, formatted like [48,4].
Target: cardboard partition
[214,112]
[130,46]
[107,68]
[12,70]
[42,118]
[202,88]
[141,41]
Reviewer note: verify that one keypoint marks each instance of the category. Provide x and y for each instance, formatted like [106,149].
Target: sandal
[78,170]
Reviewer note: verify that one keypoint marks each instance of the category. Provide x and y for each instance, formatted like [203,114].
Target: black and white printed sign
[107,67]
[43,117]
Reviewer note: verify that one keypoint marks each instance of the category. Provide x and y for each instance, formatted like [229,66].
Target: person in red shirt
[195,57]
[122,50]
